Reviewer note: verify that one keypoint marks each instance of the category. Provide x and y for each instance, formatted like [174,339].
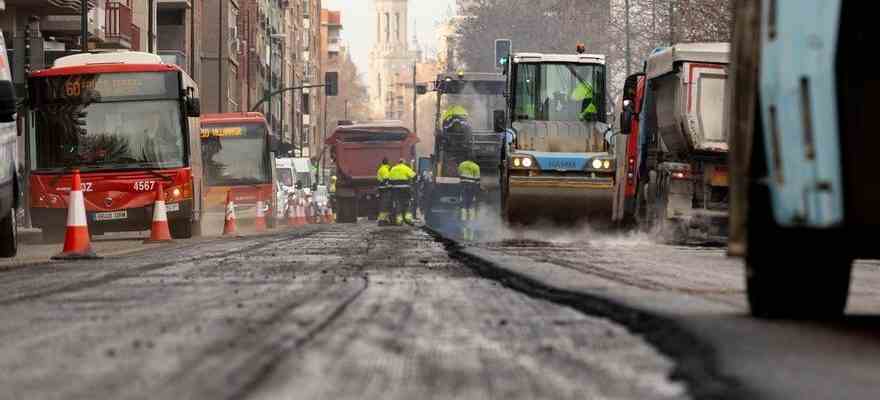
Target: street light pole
[415,99]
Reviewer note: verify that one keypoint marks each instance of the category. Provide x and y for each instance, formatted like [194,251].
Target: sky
[358,31]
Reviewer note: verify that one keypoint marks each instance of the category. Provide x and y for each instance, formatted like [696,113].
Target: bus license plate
[172,207]
[111,216]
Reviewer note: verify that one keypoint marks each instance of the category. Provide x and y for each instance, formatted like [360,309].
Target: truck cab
[9,180]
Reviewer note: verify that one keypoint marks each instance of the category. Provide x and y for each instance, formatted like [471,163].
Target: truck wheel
[789,274]
[800,287]
[8,235]
[182,229]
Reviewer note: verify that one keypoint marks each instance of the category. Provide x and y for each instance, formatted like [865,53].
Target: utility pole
[415,99]
[671,22]
[626,19]
[151,26]
[84,26]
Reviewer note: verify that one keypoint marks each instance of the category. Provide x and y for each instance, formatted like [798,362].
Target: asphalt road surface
[689,302]
[324,312]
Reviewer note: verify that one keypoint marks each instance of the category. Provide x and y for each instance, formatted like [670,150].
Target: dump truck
[461,138]
[557,161]
[680,169]
[357,150]
[803,152]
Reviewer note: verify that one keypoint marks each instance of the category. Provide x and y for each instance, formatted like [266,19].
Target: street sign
[502,53]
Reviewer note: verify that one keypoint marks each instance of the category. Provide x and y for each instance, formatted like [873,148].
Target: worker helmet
[384,160]
[333,178]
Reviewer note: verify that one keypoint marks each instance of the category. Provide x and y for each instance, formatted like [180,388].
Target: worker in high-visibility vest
[400,177]
[583,93]
[384,192]
[331,201]
[469,173]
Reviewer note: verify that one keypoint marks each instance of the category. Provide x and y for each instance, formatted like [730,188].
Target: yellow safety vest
[401,172]
[382,173]
[469,171]
[454,111]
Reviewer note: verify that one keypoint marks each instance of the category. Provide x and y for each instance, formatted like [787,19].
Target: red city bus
[236,152]
[126,121]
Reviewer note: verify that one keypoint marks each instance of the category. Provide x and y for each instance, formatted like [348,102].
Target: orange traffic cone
[159,232]
[77,243]
[260,220]
[229,228]
[291,213]
[302,213]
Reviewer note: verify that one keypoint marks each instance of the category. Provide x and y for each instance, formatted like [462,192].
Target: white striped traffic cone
[77,243]
[260,220]
[159,232]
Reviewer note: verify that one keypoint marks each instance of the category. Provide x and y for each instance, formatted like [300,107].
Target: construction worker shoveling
[385,193]
[400,178]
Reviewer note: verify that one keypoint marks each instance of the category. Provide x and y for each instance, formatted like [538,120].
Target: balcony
[120,30]
[52,7]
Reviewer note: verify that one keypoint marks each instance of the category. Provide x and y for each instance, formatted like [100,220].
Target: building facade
[391,54]
[312,70]
[220,56]
[178,32]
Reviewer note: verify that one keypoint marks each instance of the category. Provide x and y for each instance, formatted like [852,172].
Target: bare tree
[603,25]
[352,102]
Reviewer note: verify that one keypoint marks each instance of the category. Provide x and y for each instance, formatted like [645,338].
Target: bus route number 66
[144,186]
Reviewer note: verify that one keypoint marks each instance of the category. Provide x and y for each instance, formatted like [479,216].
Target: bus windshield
[116,135]
[560,92]
[235,154]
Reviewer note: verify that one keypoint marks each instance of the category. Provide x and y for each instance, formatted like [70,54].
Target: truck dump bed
[689,81]
[358,149]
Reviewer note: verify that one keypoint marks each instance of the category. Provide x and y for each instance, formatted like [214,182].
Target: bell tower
[390,50]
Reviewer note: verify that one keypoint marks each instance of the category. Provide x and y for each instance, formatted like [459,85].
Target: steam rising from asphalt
[491,228]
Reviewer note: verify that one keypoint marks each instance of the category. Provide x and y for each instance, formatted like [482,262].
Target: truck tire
[789,271]
[8,235]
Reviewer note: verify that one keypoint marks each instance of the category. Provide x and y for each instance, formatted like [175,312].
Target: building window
[397,16]
[387,27]
[379,27]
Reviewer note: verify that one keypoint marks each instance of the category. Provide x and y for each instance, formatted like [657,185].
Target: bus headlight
[516,162]
[597,164]
[176,193]
[527,162]
[606,164]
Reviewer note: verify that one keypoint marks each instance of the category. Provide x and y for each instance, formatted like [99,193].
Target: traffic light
[502,53]
[331,80]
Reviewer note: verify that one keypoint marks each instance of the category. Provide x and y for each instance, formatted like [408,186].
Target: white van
[285,180]
[9,189]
